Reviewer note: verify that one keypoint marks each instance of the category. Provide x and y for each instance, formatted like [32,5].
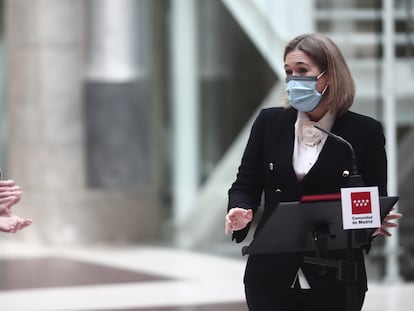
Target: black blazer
[266,165]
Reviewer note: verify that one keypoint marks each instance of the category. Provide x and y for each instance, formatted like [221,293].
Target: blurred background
[124,120]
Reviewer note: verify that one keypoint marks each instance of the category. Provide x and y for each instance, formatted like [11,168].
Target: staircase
[356,28]
[357,31]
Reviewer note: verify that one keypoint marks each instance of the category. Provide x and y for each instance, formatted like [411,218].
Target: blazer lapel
[283,150]
[333,152]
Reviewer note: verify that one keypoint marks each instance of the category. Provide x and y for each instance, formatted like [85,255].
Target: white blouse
[309,142]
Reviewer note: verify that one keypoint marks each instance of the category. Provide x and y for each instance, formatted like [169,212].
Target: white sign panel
[360,208]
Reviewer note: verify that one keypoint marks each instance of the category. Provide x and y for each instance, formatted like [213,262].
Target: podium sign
[360,208]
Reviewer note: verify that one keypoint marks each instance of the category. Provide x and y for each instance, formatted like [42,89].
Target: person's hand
[237,219]
[10,194]
[386,224]
[13,223]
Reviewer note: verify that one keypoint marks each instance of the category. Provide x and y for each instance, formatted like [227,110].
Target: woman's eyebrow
[300,63]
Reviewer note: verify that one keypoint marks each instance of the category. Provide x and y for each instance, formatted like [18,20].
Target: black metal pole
[350,273]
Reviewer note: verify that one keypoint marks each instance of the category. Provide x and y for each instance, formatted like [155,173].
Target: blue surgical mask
[302,92]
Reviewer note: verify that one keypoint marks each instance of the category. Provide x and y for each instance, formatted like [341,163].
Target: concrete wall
[47,146]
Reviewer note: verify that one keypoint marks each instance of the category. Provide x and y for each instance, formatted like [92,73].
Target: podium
[317,227]
[297,226]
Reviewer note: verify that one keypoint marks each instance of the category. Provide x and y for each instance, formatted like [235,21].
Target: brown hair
[327,56]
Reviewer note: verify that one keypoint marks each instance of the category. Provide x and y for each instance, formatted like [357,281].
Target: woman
[286,157]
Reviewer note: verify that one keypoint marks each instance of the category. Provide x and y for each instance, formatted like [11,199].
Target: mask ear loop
[320,75]
[317,78]
[325,88]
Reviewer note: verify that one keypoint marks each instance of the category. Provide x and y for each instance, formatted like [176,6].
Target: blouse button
[345,173]
[279,191]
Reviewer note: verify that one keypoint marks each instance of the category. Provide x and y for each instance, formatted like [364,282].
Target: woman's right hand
[237,219]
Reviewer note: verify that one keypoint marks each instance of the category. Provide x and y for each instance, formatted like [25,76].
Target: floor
[142,278]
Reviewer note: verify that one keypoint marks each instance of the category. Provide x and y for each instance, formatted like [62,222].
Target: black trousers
[268,280]
[302,300]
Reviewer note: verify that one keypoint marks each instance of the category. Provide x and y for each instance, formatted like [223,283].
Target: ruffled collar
[310,135]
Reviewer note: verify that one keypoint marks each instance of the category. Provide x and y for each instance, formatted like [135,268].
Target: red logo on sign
[361,202]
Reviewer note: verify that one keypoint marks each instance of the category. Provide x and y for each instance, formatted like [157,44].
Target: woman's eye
[298,72]
[302,71]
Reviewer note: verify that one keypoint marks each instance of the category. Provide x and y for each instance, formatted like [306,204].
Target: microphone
[355,180]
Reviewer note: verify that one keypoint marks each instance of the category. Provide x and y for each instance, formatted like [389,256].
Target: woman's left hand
[386,224]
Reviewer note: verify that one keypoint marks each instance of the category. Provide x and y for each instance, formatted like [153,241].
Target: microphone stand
[349,268]
[355,179]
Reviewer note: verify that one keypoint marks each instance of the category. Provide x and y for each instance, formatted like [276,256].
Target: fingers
[6,204]
[12,191]
[249,215]
[382,231]
[388,224]
[237,219]
[9,189]
[8,186]
[377,232]
[7,183]
[385,232]
[393,216]
[227,228]
[8,223]
[13,223]
[10,194]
